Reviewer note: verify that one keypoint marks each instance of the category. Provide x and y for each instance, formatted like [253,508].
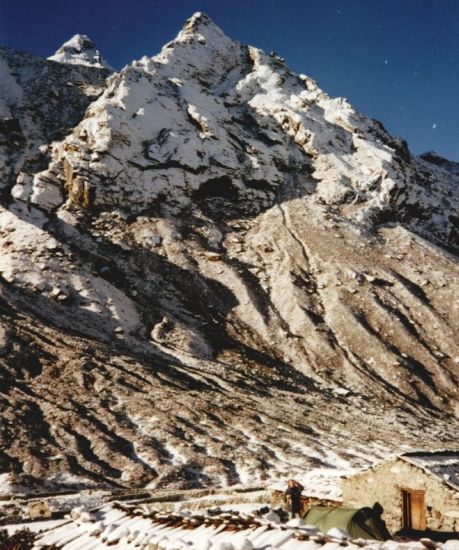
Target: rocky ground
[213,273]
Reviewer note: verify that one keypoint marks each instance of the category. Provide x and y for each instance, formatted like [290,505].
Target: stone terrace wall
[278,501]
[384,484]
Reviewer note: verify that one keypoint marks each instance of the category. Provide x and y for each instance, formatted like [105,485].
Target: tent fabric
[347,519]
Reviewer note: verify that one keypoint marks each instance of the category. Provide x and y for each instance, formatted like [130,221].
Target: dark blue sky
[395,60]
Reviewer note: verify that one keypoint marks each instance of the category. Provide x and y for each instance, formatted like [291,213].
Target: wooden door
[414,509]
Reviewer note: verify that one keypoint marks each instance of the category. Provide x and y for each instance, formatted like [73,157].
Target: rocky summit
[211,273]
[80,50]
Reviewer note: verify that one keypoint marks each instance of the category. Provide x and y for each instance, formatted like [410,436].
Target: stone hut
[418,491]
[321,488]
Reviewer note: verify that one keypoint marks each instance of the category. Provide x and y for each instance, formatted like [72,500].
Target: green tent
[354,521]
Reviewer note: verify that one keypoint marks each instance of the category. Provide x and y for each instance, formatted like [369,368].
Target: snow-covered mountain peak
[197,20]
[201,27]
[201,49]
[80,50]
[207,106]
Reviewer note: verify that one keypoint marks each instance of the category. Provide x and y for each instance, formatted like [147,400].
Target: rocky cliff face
[212,272]
[40,101]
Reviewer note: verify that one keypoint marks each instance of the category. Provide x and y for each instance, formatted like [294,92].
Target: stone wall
[384,484]
[278,501]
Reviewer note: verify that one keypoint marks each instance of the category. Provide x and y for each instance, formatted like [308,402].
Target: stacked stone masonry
[385,483]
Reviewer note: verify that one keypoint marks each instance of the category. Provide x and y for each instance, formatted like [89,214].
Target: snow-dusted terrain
[211,272]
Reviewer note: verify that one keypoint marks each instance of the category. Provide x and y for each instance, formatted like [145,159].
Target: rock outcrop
[212,272]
